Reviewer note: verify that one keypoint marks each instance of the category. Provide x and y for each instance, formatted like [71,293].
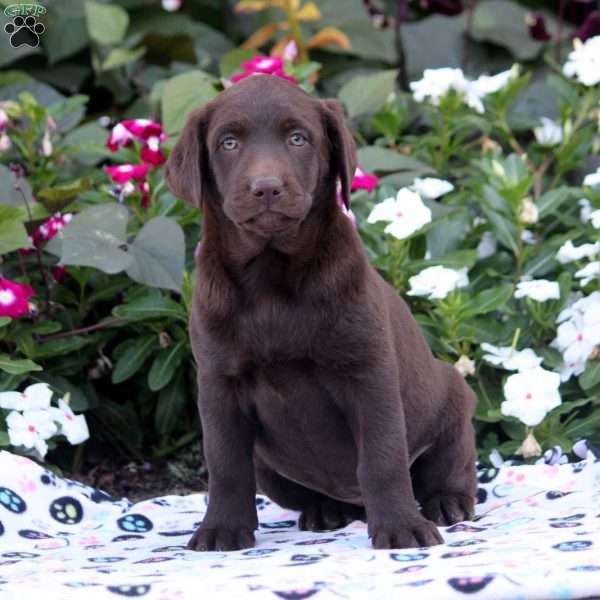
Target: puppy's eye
[229,143]
[297,139]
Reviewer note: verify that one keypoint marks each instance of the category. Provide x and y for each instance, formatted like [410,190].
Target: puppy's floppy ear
[341,146]
[185,168]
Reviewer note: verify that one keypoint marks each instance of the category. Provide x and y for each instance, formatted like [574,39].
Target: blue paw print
[12,501]
[130,591]
[573,546]
[137,523]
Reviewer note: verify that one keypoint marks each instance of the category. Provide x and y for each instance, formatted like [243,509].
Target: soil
[140,480]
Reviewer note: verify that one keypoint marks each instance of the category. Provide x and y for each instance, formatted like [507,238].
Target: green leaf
[61,346]
[5,321]
[12,232]
[158,254]
[152,306]
[17,366]
[366,94]
[453,260]
[504,23]
[133,357]
[4,439]
[121,56]
[171,401]
[182,94]
[65,35]
[487,301]
[591,376]
[46,327]
[230,62]
[58,196]
[11,196]
[376,158]
[94,238]
[86,143]
[553,200]
[505,230]
[106,23]
[68,112]
[165,364]
[80,399]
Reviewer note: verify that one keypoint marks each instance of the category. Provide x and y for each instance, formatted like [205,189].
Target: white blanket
[537,535]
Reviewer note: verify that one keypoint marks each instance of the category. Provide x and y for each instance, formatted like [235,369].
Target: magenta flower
[444,7]
[14,298]
[263,65]
[59,272]
[50,228]
[4,120]
[590,27]
[537,28]
[121,174]
[151,152]
[145,190]
[119,136]
[123,133]
[363,181]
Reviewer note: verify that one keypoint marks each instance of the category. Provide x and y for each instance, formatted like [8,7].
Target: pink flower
[123,133]
[14,298]
[145,189]
[59,273]
[4,120]
[537,28]
[151,152]
[290,52]
[121,174]
[263,64]
[363,181]
[119,136]
[50,228]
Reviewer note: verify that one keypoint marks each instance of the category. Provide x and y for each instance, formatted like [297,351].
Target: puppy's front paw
[221,539]
[413,535]
[448,508]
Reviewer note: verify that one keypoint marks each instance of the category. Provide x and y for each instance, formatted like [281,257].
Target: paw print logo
[135,523]
[24,32]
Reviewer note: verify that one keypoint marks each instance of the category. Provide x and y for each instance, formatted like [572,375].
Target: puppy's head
[263,152]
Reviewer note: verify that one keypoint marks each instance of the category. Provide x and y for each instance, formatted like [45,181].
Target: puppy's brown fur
[315,381]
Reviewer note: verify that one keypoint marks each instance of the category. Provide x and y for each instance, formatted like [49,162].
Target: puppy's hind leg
[444,477]
[318,512]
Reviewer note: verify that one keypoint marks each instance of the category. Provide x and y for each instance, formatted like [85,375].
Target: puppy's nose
[267,188]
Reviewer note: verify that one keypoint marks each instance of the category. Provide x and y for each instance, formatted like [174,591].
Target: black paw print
[66,510]
[24,32]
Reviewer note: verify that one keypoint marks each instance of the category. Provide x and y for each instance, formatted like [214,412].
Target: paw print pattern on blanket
[536,534]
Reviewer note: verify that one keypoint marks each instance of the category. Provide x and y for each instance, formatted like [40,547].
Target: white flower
[73,427]
[171,5]
[538,289]
[568,252]
[510,358]
[588,273]
[529,237]
[5,142]
[530,395]
[34,397]
[31,429]
[47,144]
[465,366]
[529,211]
[431,188]
[436,83]
[487,245]
[585,211]
[549,133]
[437,282]
[489,84]
[406,213]
[583,63]
[595,219]
[592,179]
[578,334]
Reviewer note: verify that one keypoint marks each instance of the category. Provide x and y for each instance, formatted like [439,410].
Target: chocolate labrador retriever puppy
[315,381]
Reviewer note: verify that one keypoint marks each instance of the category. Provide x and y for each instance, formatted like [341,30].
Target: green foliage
[113,332]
